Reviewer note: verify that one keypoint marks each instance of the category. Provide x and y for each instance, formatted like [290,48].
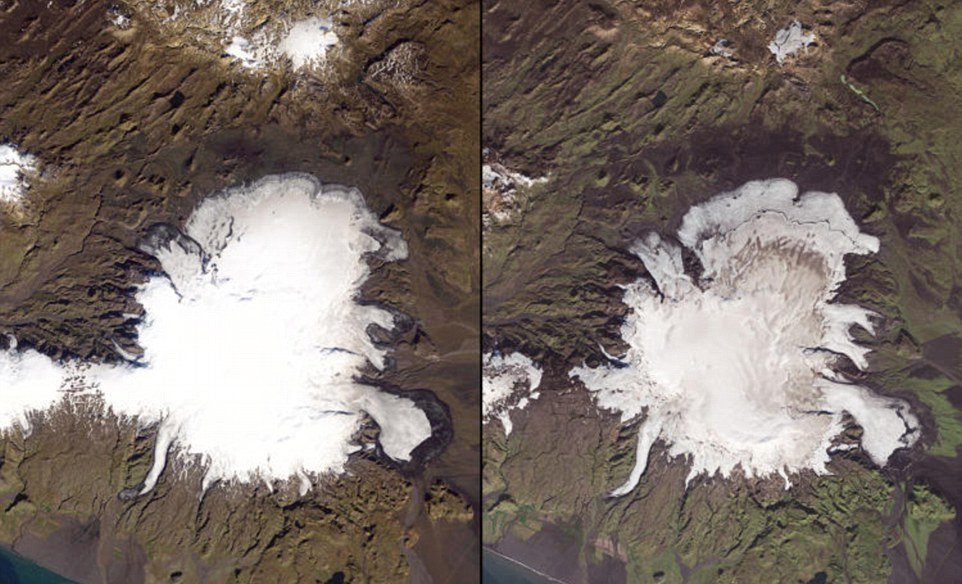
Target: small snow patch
[722,48]
[789,41]
[308,41]
[501,197]
[14,168]
[117,18]
[241,49]
[305,44]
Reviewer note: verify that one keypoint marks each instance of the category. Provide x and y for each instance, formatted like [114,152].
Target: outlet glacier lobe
[736,369]
[508,383]
[253,339]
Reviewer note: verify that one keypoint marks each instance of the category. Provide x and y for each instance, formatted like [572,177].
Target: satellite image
[722,291]
[442,292]
[239,291]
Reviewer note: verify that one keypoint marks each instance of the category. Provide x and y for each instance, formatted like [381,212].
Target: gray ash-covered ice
[737,369]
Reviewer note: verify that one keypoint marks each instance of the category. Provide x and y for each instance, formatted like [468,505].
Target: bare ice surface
[507,383]
[252,338]
[736,370]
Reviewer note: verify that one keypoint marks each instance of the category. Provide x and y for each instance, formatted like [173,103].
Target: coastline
[545,577]
[16,568]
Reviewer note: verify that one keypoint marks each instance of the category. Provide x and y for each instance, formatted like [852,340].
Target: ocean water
[498,570]
[16,569]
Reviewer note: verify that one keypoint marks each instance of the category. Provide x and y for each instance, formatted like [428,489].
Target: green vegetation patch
[925,511]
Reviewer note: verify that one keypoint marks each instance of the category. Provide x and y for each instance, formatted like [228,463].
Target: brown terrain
[133,127]
[632,117]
